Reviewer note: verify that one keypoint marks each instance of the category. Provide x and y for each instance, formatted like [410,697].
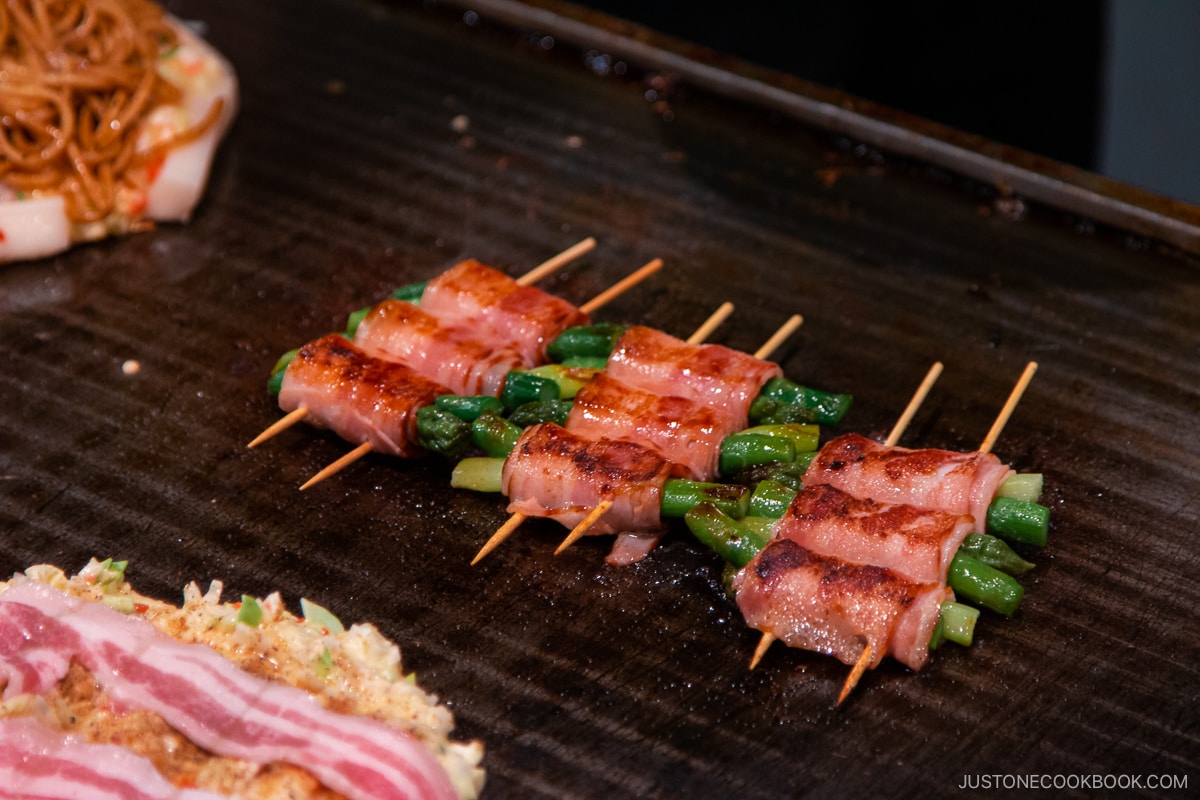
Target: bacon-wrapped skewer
[492,279]
[838,607]
[427,353]
[514,312]
[535,493]
[358,396]
[557,474]
[831,569]
[958,483]
[452,355]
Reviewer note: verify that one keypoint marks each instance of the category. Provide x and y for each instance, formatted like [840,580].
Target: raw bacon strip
[523,317]
[207,698]
[40,763]
[359,397]
[452,356]
[914,542]
[678,429]
[722,379]
[831,606]
[957,483]
[554,473]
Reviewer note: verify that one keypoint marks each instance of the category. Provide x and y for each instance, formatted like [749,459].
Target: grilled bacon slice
[723,379]
[560,475]
[524,318]
[452,356]
[358,396]
[832,606]
[914,542]
[957,483]
[678,429]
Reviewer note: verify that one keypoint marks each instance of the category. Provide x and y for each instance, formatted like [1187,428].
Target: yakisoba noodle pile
[95,96]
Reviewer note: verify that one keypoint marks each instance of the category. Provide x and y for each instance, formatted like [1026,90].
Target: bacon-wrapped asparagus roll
[916,543]
[358,396]
[554,473]
[723,379]
[498,307]
[958,483]
[679,429]
[449,355]
[833,606]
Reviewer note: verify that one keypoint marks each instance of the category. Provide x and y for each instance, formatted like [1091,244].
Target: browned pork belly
[957,483]
[832,606]
[358,396]
[499,309]
[723,379]
[453,356]
[914,542]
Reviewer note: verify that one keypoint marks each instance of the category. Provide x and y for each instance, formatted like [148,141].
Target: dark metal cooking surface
[378,145]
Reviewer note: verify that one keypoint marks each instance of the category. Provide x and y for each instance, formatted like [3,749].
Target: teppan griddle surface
[377,145]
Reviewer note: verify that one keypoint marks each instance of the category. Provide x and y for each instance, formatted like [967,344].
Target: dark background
[1105,86]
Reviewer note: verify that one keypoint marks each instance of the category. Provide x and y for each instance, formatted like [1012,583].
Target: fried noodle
[77,80]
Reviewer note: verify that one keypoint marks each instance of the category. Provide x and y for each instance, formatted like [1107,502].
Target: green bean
[354,320]
[763,526]
[956,624]
[522,387]
[494,435]
[586,340]
[1022,486]
[585,362]
[680,495]
[441,432]
[733,541]
[555,411]
[804,437]
[790,474]
[411,293]
[771,499]
[275,382]
[995,553]
[782,400]
[1019,521]
[982,585]
[568,379]
[742,450]
[478,473]
[469,407]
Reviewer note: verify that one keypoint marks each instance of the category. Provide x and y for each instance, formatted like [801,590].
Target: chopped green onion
[250,613]
[320,616]
[119,602]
